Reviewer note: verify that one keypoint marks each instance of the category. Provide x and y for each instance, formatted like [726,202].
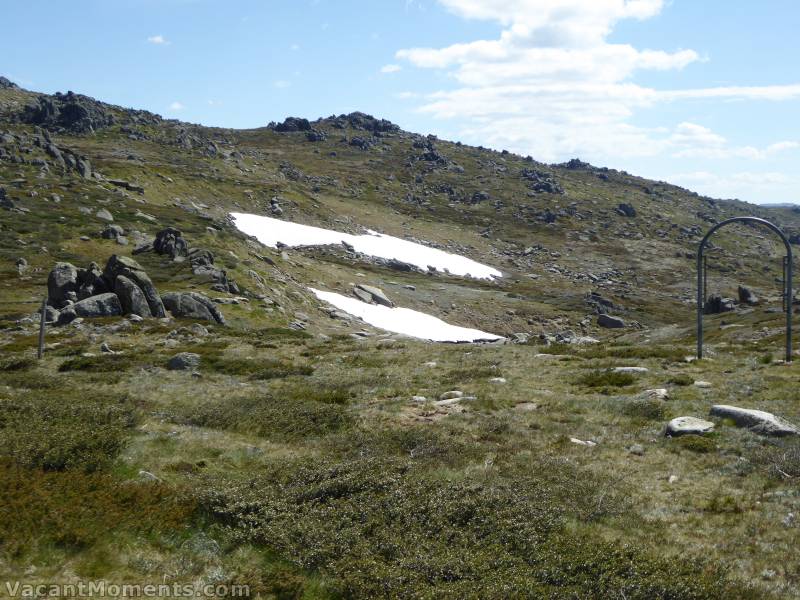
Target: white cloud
[390,68]
[758,187]
[294,47]
[782,147]
[554,86]
[176,106]
[282,84]
[158,40]
[214,102]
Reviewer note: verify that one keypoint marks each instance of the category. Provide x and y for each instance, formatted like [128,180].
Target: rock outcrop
[130,269]
[131,297]
[371,295]
[191,305]
[88,292]
[62,284]
[170,241]
[604,320]
[102,305]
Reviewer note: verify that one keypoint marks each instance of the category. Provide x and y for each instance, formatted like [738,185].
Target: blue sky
[702,94]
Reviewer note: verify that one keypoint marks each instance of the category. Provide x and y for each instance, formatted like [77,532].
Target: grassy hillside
[312,457]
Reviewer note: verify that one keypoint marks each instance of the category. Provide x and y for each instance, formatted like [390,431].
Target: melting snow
[404,320]
[270,231]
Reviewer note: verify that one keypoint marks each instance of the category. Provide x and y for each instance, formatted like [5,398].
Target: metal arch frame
[701,280]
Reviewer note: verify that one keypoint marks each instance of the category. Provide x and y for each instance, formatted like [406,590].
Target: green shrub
[260,369]
[467,374]
[386,527]
[695,443]
[327,394]
[606,379]
[681,380]
[278,417]
[647,409]
[69,431]
[17,364]
[74,510]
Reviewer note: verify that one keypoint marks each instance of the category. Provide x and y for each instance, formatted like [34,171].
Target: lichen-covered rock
[758,421]
[170,241]
[62,284]
[131,297]
[184,361]
[371,295]
[127,267]
[91,282]
[191,305]
[102,305]
[688,426]
[610,322]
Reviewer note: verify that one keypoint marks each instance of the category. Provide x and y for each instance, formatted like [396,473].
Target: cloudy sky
[705,94]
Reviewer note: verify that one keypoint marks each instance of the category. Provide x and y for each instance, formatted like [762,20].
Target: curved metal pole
[787,289]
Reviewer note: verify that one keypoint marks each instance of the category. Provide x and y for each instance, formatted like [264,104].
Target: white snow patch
[404,320]
[270,231]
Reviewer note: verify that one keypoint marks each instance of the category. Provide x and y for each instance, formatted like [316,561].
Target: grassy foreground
[302,468]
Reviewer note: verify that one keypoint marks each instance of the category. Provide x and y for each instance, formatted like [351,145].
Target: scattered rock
[604,320]
[626,210]
[451,395]
[372,295]
[631,370]
[112,232]
[636,449]
[746,296]
[149,477]
[170,241]
[104,215]
[192,305]
[655,394]
[688,426]
[184,361]
[448,402]
[757,421]
[717,304]
[588,443]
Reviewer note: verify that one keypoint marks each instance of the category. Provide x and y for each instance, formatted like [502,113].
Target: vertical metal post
[789,302]
[783,284]
[700,298]
[42,320]
[705,281]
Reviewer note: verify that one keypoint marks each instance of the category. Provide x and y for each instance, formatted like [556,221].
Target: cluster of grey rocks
[121,288]
[170,242]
